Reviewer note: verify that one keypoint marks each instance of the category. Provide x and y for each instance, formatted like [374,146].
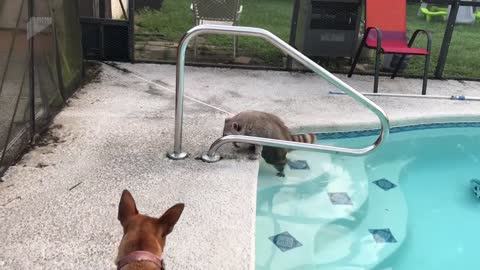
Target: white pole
[461,97]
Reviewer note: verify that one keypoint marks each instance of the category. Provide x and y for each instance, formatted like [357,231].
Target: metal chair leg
[355,60]
[377,70]
[425,74]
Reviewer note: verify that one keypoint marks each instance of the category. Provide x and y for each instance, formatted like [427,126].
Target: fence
[157,32]
[40,66]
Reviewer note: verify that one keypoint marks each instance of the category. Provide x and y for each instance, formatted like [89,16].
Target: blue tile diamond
[298,165]
[384,184]
[383,236]
[340,198]
[284,241]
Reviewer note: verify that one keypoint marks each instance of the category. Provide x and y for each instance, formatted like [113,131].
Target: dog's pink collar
[140,256]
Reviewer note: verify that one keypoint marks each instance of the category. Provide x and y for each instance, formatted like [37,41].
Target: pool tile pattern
[383,236]
[284,241]
[376,132]
[384,184]
[340,198]
[298,165]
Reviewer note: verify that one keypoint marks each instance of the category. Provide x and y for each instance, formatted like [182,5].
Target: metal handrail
[211,155]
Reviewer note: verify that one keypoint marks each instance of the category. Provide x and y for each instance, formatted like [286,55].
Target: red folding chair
[387,19]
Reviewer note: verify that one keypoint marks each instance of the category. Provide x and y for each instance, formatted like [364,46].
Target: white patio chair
[419,12]
[222,12]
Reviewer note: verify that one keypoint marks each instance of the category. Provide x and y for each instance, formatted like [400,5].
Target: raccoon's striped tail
[303,138]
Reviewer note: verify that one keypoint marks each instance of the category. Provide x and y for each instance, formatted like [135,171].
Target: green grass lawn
[175,18]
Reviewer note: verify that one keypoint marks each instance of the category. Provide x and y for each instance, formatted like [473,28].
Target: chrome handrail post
[177,153]
[286,48]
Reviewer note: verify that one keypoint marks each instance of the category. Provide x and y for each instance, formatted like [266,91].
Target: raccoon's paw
[280,174]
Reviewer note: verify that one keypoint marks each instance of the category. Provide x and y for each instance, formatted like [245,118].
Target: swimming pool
[408,205]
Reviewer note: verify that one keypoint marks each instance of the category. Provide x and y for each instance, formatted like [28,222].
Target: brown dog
[144,237]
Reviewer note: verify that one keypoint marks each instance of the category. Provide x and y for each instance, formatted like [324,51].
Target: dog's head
[143,233]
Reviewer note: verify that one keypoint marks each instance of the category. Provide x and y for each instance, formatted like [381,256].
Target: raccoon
[267,125]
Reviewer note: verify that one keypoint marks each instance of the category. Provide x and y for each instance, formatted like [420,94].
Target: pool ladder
[211,155]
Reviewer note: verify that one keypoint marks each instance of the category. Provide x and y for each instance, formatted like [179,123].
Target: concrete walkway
[58,205]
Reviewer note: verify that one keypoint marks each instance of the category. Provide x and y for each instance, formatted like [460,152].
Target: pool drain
[475,184]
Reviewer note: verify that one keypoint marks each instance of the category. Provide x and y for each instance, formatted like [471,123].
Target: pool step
[327,217]
[335,192]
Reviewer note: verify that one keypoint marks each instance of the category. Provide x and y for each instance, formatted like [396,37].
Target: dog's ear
[170,218]
[127,207]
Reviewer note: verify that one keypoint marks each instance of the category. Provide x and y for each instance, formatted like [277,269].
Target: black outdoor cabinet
[104,38]
[326,28]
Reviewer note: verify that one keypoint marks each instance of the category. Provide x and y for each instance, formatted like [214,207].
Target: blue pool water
[408,205]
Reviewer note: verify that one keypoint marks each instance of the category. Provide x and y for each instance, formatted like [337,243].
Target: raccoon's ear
[227,120]
[236,126]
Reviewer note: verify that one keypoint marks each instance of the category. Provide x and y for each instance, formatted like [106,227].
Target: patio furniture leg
[355,59]
[377,70]
[359,50]
[425,74]
[427,58]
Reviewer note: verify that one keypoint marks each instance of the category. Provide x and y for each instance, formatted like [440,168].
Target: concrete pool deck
[58,204]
